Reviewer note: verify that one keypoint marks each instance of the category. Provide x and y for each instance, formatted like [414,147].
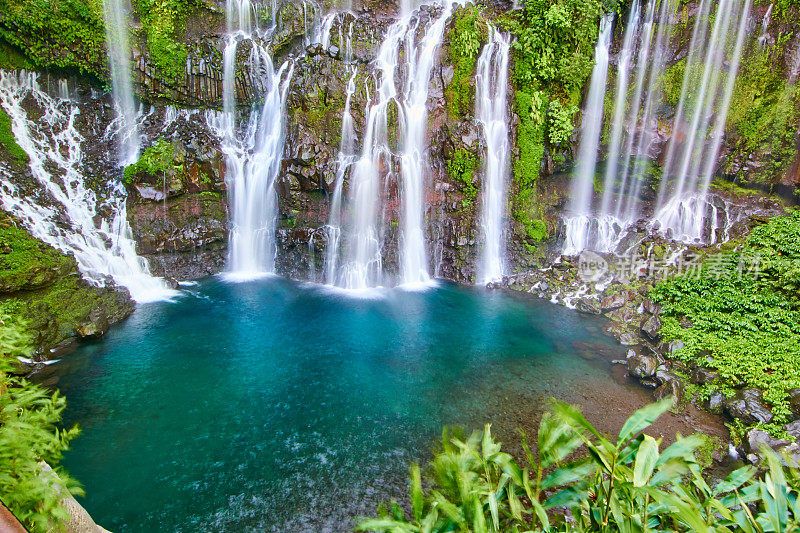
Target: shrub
[29,434]
[623,484]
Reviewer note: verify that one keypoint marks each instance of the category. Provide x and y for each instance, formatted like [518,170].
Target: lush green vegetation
[8,142]
[467,36]
[30,434]
[154,161]
[462,166]
[744,314]
[553,56]
[765,112]
[625,484]
[57,33]
[164,21]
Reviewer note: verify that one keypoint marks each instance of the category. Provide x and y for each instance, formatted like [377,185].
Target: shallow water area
[285,406]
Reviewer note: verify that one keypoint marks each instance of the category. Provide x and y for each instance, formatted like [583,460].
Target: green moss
[41,287]
[12,58]
[27,263]
[765,113]
[467,35]
[461,167]
[8,141]
[57,33]
[163,22]
[154,161]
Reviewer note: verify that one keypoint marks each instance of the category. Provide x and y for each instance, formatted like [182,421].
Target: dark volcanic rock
[748,407]
[652,327]
[642,366]
[588,306]
[613,301]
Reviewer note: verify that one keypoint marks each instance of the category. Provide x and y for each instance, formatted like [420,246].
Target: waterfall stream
[361,262]
[116,14]
[63,214]
[253,150]
[578,222]
[683,211]
[491,111]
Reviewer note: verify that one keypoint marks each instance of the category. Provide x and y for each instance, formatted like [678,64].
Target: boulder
[757,439]
[674,388]
[642,366]
[628,338]
[674,346]
[652,327]
[650,307]
[701,376]
[588,306]
[614,301]
[716,402]
[793,429]
[748,407]
[95,326]
[794,401]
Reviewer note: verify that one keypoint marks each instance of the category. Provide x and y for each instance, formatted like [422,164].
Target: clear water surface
[281,406]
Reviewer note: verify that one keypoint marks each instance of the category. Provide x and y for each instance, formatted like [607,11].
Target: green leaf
[417,497]
[642,418]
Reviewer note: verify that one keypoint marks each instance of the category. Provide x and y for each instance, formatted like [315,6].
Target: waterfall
[577,224]
[621,98]
[361,265]
[345,159]
[254,150]
[63,213]
[649,69]
[115,13]
[491,110]
[414,122]
[683,210]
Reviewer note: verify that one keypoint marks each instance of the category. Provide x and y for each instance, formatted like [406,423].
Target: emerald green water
[273,405]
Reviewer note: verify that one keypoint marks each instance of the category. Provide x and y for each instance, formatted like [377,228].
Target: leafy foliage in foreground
[627,484]
[744,311]
[29,415]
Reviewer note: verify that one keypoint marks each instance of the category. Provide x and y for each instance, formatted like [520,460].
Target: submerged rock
[588,306]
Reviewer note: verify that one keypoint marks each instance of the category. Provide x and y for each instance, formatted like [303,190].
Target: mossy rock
[43,287]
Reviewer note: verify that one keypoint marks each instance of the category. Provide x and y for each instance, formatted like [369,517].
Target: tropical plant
[29,435]
[624,484]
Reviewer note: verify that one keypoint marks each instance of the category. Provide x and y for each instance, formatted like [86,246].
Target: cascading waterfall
[683,210]
[414,123]
[65,213]
[253,151]
[623,182]
[115,13]
[578,222]
[361,264]
[491,110]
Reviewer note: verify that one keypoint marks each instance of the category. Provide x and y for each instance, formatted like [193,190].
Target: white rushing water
[345,159]
[627,160]
[401,61]
[683,209]
[579,210]
[66,214]
[116,14]
[491,111]
[414,161]
[253,149]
